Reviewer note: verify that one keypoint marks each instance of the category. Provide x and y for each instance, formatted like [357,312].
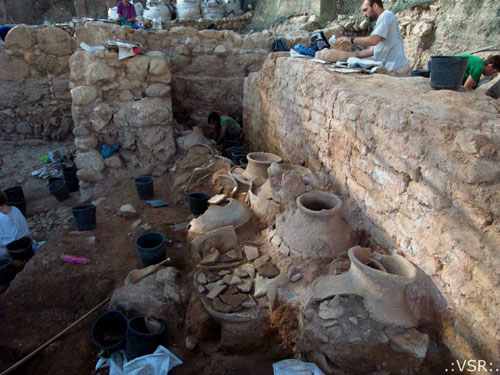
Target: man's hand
[343,39]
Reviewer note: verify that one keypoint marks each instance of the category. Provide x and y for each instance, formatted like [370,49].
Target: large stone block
[138,67]
[83,95]
[13,69]
[20,37]
[90,165]
[157,90]
[55,41]
[146,113]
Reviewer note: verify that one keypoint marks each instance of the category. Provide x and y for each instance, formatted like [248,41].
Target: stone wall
[34,78]
[108,106]
[418,170]
[208,66]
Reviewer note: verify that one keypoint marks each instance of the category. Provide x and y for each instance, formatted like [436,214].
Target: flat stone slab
[245,286]
[259,262]
[211,259]
[268,270]
[220,306]
[234,300]
[216,291]
[251,252]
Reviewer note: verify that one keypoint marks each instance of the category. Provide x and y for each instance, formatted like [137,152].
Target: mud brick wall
[34,83]
[418,170]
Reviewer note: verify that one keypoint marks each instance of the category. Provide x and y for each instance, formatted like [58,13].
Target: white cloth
[13,227]
[390,50]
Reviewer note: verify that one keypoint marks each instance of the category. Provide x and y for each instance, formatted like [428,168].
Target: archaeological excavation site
[249,187]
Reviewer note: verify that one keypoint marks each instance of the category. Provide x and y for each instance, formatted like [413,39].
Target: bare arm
[368,52]
[469,83]
[131,19]
[367,41]
[222,135]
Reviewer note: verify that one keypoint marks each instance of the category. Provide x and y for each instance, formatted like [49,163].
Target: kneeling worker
[385,42]
[13,225]
[225,127]
[477,67]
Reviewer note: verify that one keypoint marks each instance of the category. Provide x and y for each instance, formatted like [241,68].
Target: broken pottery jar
[287,181]
[380,279]
[316,228]
[261,201]
[234,213]
[258,162]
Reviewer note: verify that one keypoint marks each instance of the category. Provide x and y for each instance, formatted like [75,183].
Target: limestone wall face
[417,169]
[108,106]
[208,66]
[34,78]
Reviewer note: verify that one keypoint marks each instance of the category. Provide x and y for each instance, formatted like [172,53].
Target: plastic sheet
[295,367]
[188,9]
[158,363]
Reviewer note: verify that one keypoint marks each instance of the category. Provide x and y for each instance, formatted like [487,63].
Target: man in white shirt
[13,225]
[385,42]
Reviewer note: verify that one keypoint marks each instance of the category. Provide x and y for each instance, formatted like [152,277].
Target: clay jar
[316,229]
[380,279]
[258,162]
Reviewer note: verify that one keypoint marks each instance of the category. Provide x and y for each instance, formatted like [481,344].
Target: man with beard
[385,43]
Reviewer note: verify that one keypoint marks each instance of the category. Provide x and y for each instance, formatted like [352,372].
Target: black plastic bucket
[59,190]
[21,249]
[84,216]
[54,179]
[421,73]
[229,151]
[110,331]
[145,188]
[239,157]
[70,179]
[20,203]
[139,340]
[15,192]
[152,248]
[7,271]
[198,203]
[447,72]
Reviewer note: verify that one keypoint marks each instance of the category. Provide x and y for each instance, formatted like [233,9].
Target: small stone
[260,287]
[240,273]
[227,279]
[323,338]
[202,278]
[259,262]
[268,270]
[331,309]
[128,208]
[212,278]
[216,199]
[411,342]
[235,280]
[211,286]
[191,343]
[251,252]
[220,306]
[201,289]
[276,241]
[234,255]
[353,320]
[146,227]
[211,259]
[335,331]
[330,323]
[232,290]
[234,300]
[296,277]
[245,286]
[216,291]
[250,269]
[224,273]
[249,302]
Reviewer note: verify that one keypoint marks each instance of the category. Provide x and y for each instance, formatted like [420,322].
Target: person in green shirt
[476,67]
[225,127]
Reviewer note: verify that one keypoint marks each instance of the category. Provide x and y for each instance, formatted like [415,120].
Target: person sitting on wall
[13,225]
[126,14]
[385,42]
[476,67]
[225,127]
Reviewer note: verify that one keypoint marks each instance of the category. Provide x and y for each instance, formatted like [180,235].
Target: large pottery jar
[316,229]
[258,162]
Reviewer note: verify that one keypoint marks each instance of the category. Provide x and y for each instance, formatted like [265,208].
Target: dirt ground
[48,294]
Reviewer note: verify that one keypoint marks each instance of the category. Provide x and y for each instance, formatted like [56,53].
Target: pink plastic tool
[73,259]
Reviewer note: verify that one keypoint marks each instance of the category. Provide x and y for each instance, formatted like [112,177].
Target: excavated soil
[48,294]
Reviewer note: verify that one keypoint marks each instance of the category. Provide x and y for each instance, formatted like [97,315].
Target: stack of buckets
[61,188]
[234,151]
